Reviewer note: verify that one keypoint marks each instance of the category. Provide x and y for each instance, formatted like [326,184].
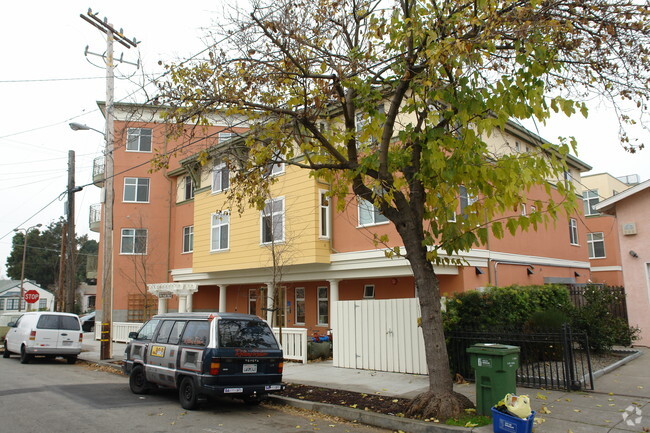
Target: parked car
[88,322]
[205,354]
[44,333]
[5,319]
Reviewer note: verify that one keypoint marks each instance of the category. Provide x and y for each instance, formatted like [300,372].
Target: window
[590,198]
[42,304]
[223,136]
[573,231]
[2,304]
[91,302]
[252,301]
[12,304]
[175,335]
[523,209]
[146,332]
[275,166]
[219,231]
[165,331]
[363,119]
[324,215]
[188,186]
[369,214]
[323,306]
[134,241]
[136,190]
[273,221]
[188,239]
[246,334]
[300,305]
[596,245]
[465,199]
[138,140]
[220,178]
[197,333]
[369,291]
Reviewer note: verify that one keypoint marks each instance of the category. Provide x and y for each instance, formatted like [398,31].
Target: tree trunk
[440,401]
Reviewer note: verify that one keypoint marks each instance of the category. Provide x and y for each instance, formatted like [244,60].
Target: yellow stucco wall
[302,244]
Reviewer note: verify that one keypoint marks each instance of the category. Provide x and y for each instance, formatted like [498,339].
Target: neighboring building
[602,229]
[175,237]
[10,296]
[630,208]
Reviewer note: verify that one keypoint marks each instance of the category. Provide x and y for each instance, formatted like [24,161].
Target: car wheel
[71,359]
[6,353]
[24,357]
[187,394]
[138,381]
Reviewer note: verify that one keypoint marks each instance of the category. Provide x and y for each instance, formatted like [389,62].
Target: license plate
[67,343]
[272,388]
[233,390]
[249,368]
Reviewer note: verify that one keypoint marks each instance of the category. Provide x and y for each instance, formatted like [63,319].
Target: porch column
[222,297]
[162,305]
[184,293]
[334,298]
[269,303]
[190,302]
[182,303]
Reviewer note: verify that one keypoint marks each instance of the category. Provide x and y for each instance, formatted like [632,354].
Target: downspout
[506,262]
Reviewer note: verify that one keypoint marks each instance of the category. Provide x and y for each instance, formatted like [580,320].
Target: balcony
[95,217]
[98,171]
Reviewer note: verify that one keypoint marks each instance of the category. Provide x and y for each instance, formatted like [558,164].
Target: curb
[633,355]
[370,418]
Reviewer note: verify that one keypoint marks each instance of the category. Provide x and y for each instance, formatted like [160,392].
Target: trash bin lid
[493,349]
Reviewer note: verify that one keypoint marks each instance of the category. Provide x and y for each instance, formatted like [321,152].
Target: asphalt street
[51,396]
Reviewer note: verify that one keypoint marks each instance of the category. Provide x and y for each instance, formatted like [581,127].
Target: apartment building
[601,230]
[177,238]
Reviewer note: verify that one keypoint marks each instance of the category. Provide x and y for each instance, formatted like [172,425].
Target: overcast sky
[47,82]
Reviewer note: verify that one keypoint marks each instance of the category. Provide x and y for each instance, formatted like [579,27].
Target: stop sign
[31,296]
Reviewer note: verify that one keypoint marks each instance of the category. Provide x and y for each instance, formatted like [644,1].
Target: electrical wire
[41,80]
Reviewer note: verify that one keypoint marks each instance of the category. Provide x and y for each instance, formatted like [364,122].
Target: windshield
[246,334]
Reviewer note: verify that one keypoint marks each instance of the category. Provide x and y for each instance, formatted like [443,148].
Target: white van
[44,333]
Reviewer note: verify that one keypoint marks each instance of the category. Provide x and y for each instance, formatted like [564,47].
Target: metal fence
[618,306]
[550,360]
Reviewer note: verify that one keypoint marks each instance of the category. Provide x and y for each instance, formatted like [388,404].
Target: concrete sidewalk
[620,402]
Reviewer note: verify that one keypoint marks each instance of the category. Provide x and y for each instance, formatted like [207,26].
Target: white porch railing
[120,331]
[294,343]
[294,340]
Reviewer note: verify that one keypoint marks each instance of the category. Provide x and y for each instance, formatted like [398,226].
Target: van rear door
[46,332]
[69,332]
[249,353]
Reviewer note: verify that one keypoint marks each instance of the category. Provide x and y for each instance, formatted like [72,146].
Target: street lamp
[22,271]
[107,226]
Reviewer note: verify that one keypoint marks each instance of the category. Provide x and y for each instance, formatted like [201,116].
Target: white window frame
[274,169]
[325,300]
[220,178]
[188,233]
[137,134]
[134,236]
[300,299]
[371,211]
[218,220]
[188,190]
[573,231]
[42,304]
[591,245]
[136,186]
[588,197]
[226,135]
[252,298]
[369,291]
[523,209]
[324,214]
[274,222]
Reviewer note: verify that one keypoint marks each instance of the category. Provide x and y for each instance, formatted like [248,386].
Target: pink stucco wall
[634,209]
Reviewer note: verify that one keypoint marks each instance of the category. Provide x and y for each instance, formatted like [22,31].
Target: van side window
[146,332]
[196,333]
[175,335]
[48,321]
[164,331]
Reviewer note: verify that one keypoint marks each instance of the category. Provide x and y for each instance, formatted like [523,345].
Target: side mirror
[11,324]
[133,334]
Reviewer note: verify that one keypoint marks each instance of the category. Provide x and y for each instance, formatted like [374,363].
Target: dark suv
[205,354]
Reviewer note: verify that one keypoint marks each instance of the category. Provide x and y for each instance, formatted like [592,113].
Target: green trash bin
[495,367]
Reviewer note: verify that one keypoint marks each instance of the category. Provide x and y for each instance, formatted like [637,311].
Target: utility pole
[107,220]
[60,299]
[71,239]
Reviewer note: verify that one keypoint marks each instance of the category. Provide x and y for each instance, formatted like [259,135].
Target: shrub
[594,318]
